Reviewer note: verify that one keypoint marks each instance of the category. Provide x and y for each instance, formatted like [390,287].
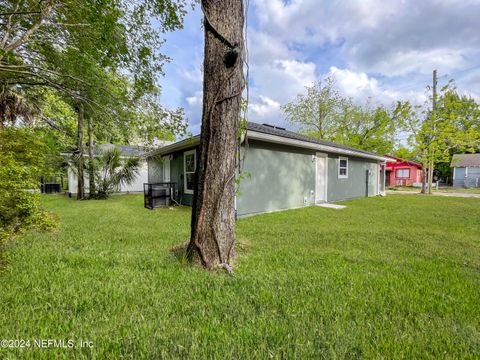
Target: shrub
[111,171]
[22,160]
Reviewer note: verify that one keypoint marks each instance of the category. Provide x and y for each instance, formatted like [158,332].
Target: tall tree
[213,214]
[82,49]
[91,166]
[370,128]
[315,110]
[322,112]
[80,158]
[454,126]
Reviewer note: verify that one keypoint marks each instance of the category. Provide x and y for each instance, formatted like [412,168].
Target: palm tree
[14,106]
[111,171]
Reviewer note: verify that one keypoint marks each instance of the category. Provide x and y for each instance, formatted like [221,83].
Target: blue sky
[380,49]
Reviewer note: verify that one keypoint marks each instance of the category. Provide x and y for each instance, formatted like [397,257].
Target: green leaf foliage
[112,171]
[23,158]
[322,112]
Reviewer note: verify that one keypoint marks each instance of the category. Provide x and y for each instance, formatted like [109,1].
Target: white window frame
[402,170]
[185,190]
[339,167]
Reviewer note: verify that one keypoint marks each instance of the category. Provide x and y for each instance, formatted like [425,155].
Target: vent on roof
[274,127]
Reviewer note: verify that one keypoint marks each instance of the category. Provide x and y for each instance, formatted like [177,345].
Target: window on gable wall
[189,163]
[342,168]
[402,173]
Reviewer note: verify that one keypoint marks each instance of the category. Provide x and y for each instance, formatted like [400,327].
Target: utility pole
[431,150]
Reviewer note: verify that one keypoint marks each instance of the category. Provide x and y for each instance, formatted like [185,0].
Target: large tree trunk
[91,169]
[424,179]
[213,213]
[80,164]
[430,176]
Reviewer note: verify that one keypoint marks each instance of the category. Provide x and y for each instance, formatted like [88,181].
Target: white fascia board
[184,144]
[308,145]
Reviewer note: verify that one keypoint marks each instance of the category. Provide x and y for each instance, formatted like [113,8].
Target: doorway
[321,176]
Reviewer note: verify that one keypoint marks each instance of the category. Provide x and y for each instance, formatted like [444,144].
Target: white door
[166,169]
[321,178]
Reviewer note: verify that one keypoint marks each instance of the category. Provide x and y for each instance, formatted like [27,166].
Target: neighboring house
[126,151]
[285,170]
[399,172]
[466,170]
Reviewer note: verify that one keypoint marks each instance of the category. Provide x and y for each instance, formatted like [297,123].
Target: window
[189,164]
[402,173]
[342,168]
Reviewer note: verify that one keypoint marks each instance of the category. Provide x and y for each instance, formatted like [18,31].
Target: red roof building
[399,172]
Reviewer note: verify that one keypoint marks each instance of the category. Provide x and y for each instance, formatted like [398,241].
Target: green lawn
[392,277]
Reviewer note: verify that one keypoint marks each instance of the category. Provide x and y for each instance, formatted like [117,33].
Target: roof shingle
[465,160]
[278,131]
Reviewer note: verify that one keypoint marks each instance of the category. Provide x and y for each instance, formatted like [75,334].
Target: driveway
[436,193]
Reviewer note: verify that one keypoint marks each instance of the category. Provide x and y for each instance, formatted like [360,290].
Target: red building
[399,172]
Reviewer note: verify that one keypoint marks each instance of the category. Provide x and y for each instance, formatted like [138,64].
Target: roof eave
[180,145]
[255,135]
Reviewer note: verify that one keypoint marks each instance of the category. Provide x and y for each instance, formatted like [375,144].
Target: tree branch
[24,38]
[19,13]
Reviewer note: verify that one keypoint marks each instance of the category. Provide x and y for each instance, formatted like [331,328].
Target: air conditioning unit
[159,195]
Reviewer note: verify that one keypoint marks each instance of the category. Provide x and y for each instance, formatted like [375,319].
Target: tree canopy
[322,112]
[104,54]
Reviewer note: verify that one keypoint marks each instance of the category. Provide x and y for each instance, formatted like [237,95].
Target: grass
[441,189]
[394,277]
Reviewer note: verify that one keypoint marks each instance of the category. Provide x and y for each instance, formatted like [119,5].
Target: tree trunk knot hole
[231,56]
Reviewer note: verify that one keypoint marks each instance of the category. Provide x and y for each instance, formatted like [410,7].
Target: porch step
[332,206]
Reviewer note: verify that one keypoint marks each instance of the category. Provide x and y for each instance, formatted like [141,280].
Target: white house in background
[126,151]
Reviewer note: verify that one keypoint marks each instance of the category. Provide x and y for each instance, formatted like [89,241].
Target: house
[285,170]
[466,170]
[399,172]
[126,151]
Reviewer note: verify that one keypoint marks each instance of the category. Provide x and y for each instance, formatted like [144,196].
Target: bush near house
[22,160]
[393,277]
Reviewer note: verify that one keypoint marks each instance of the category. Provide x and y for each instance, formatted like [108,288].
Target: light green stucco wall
[281,177]
[355,185]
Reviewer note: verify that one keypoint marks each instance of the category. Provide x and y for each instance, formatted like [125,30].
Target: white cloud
[361,87]
[196,99]
[379,49]
[389,37]
[194,75]
[265,108]
[282,79]
[421,62]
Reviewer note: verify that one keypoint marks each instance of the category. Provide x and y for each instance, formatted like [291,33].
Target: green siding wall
[281,177]
[355,186]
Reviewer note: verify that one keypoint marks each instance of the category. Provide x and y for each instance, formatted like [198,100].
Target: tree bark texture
[424,180]
[430,176]
[91,170]
[80,164]
[213,214]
